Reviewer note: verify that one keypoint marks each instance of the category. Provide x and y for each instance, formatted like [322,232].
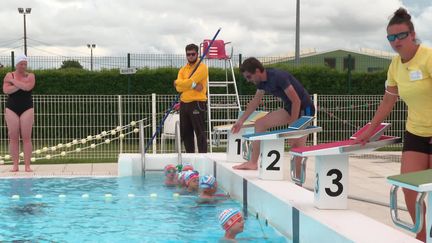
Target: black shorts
[416,143]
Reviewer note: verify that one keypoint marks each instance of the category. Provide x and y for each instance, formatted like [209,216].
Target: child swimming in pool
[170,175]
[208,188]
[187,167]
[191,179]
[232,222]
[183,170]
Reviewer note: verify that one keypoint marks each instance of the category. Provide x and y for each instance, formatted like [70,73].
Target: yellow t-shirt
[183,83]
[414,82]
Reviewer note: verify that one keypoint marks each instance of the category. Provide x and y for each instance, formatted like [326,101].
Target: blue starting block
[271,167]
[420,182]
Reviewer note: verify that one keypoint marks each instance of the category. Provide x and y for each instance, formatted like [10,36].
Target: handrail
[298,179]
[141,145]
[418,225]
[247,150]
[217,137]
[178,142]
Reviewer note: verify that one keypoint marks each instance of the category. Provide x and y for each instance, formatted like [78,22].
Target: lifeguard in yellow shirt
[410,78]
[193,101]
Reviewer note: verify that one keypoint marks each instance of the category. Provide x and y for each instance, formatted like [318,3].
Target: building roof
[312,52]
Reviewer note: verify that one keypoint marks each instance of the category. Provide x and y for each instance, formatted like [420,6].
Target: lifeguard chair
[223,101]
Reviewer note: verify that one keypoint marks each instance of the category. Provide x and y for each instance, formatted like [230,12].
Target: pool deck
[368,189]
[62,170]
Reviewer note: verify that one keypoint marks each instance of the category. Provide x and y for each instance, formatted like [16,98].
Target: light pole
[91,46]
[297,34]
[24,12]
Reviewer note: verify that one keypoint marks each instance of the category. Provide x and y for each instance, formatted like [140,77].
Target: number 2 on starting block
[271,166]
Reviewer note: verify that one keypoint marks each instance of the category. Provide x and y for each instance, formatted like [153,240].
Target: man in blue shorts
[283,85]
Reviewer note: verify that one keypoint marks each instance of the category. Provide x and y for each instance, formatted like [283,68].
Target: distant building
[365,60]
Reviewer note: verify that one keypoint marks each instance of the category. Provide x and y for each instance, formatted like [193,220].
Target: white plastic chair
[168,130]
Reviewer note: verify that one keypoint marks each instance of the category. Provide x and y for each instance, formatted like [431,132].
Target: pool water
[54,210]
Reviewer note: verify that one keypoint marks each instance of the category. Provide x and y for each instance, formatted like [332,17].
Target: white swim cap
[19,58]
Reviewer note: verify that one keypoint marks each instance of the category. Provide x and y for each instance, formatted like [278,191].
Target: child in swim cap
[191,179]
[170,175]
[180,179]
[232,222]
[187,167]
[208,188]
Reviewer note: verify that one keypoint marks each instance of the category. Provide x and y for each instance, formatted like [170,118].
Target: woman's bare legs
[13,124]
[411,162]
[273,119]
[26,125]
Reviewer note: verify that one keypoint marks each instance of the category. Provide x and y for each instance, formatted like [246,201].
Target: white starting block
[235,141]
[420,182]
[272,146]
[331,165]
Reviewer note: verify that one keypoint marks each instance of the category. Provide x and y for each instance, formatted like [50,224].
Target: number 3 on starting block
[331,182]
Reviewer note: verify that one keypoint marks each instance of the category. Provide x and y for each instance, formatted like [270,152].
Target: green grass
[390,149]
[74,161]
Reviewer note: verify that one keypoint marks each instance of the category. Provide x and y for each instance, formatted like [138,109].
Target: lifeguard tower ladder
[223,101]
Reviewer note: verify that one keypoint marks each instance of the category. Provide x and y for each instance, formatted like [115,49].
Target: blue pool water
[40,215]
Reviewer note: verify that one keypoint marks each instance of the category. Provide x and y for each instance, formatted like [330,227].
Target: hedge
[320,80]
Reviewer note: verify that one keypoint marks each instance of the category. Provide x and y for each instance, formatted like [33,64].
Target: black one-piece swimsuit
[20,101]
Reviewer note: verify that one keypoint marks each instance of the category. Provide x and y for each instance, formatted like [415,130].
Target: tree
[71,64]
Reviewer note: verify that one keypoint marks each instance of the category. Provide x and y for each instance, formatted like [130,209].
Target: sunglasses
[192,54]
[399,36]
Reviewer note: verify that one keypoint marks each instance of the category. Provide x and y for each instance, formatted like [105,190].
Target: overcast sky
[256,28]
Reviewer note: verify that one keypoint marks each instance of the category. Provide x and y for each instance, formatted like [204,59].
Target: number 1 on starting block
[235,141]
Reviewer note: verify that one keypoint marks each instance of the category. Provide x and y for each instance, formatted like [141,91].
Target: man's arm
[180,76]
[295,102]
[250,108]
[198,77]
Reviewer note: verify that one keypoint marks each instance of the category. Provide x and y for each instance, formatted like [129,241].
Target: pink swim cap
[168,168]
[189,175]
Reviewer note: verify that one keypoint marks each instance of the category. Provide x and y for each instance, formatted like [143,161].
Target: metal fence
[110,62]
[64,118]
[339,61]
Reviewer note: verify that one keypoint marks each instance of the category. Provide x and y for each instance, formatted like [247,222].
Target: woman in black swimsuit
[19,114]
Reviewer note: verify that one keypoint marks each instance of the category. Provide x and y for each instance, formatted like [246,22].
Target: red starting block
[331,165]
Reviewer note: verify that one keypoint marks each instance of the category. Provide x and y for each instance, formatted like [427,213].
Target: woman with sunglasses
[410,78]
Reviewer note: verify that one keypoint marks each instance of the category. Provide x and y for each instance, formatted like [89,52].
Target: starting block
[235,141]
[420,182]
[272,146]
[331,165]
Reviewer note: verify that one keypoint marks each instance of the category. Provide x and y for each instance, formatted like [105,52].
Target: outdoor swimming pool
[127,209]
